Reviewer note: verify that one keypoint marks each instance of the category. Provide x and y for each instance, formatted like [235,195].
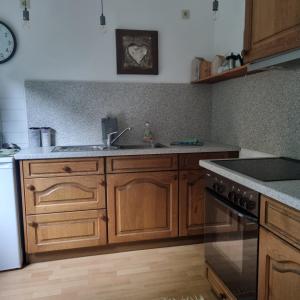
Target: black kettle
[234,60]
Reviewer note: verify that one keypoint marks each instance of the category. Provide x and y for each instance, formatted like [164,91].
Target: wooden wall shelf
[237,72]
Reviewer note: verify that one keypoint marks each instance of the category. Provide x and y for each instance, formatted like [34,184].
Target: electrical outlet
[22,3]
[185,14]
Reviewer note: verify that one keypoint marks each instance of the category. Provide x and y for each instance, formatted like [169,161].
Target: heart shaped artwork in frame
[137,52]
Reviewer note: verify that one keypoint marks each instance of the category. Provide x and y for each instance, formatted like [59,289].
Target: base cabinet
[191,202]
[279,268]
[142,206]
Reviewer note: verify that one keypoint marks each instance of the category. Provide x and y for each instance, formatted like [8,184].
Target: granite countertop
[45,153]
[286,192]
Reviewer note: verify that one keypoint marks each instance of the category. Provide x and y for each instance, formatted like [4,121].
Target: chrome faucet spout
[119,135]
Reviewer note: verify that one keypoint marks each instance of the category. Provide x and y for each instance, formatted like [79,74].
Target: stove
[265,169]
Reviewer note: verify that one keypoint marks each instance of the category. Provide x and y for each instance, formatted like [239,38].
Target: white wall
[229,27]
[64,42]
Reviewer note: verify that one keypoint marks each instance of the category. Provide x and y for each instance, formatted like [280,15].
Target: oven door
[231,245]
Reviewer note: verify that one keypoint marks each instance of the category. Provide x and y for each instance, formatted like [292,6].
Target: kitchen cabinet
[191,202]
[64,205]
[142,206]
[75,203]
[279,268]
[192,194]
[279,252]
[271,27]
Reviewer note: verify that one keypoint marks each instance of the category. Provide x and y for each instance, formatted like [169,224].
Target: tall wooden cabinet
[272,27]
[279,252]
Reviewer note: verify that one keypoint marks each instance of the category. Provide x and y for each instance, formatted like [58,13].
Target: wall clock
[8,43]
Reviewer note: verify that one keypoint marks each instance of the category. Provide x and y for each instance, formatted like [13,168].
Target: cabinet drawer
[59,194]
[191,161]
[281,220]
[62,167]
[60,231]
[126,164]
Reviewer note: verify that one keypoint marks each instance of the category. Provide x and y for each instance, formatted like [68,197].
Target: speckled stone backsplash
[74,109]
[259,112]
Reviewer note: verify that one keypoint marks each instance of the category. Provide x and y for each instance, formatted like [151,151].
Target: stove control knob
[221,189]
[218,188]
[250,205]
[232,196]
[243,202]
[238,199]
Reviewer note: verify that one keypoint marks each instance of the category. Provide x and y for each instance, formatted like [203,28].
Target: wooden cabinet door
[279,268]
[191,202]
[272,27]
[60,231]
[192,208]
[142,206]
[59,194]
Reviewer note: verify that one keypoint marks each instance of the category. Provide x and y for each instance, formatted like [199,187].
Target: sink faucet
[111,141]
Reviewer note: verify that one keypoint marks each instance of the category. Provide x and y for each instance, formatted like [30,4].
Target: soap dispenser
[148,135]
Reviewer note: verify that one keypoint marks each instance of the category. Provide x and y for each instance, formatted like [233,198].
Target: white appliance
[11,254]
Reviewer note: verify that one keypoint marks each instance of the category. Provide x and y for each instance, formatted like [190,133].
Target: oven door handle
[230,207]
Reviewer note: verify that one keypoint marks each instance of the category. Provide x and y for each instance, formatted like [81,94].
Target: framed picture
[137,52]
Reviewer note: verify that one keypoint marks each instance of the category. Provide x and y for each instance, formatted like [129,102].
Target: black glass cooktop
[265,169]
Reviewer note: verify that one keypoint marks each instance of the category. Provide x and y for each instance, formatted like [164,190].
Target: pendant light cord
[102,7]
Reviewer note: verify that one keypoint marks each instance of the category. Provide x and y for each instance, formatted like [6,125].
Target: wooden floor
[166,273]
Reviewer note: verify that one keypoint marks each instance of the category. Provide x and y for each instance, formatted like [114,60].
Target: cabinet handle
[67,169]
[33,224]
[102,183]
[104,218]
[175,177]
[223,296]
[31,187]
[184,177]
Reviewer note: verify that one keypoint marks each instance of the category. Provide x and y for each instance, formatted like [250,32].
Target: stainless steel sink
[78,148]
[104,148]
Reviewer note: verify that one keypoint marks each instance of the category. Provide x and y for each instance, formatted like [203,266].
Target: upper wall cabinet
[272,27]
